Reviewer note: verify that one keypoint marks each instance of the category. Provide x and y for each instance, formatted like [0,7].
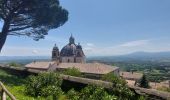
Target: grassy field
[16,86]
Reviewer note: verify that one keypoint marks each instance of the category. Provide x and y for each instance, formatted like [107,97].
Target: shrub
[90,93]
[166,89]
[73,95]
[14,64]
[120,87]
[45,84]
[111,77]
[72,71]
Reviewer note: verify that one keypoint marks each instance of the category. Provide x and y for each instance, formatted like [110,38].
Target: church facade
[71,53]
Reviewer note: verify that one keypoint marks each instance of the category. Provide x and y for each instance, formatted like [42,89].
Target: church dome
[68,50]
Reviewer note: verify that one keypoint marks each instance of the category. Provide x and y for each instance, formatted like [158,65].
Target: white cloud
[125,48]
[90,44]
[35,51]
[91,49]
[25,51]
[135,43]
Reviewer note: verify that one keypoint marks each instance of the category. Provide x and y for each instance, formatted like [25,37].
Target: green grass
[15,85]
[165,89]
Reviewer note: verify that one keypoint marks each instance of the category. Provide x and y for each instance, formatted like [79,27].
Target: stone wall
[73,59]
[80,60]
[67,59]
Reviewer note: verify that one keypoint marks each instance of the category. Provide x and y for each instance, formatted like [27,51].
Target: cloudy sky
[104,27]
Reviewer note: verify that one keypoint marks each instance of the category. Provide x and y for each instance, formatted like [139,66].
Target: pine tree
[32,18]
[144,83]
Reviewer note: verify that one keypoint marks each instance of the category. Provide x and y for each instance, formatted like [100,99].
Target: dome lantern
[71,40]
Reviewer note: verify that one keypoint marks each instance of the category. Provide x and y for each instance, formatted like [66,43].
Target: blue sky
[104,27]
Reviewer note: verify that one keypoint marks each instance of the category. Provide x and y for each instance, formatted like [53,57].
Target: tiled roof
[129,75]
[39,65]
[96,68]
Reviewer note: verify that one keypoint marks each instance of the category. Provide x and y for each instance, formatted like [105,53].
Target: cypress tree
[144,83]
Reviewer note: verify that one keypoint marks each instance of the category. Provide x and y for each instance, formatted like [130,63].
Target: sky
[103,28]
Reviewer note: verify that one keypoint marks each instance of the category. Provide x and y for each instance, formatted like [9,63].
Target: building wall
[80,60]
[116,72]
[73,59]
[67,59]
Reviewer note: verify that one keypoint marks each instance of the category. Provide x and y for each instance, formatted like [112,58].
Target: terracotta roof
[96,68]
[129,75]
[39,65]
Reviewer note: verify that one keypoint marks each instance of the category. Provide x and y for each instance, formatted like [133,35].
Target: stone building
[71,53]
[72,56]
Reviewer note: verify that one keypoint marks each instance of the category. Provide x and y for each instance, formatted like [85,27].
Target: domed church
[71,53]
[72,56]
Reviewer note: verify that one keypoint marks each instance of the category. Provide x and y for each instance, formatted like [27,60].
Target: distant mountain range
[137,56]
[23,59]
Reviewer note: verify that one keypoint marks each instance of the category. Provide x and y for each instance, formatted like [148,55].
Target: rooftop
[130,75]
[95,68]
[39,65]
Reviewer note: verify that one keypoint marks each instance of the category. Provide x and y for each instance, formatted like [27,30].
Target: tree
[120,87]
[91,92]
[32,18]
[144,83]
[44,84]
[73,72]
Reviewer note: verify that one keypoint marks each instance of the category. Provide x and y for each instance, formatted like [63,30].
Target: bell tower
[55,54]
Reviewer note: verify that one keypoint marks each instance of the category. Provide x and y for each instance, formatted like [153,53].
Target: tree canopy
[32,18]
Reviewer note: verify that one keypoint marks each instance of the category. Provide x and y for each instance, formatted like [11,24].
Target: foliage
[90,93]
[142,98]
[73,95]
[120,88]
[72,71]
[166,89]
[111,77]
[18,92]
[10,80]
[96,93]
[144,83]
[32,18]
[14,64]
[15,85]
[45,84]
[157,71]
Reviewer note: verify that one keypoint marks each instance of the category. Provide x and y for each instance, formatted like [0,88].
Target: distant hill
[23,59]
[136,56]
